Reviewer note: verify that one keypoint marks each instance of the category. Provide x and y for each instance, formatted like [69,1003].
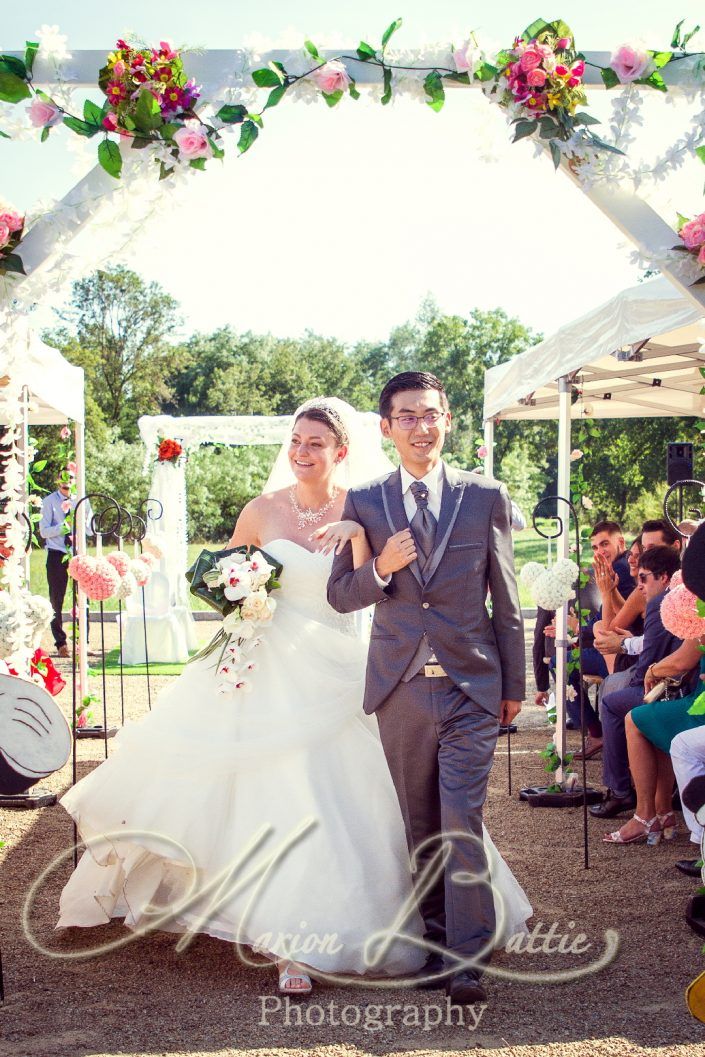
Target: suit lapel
[453,490]
[395,512]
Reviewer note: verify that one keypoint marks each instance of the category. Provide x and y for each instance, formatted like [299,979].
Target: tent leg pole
[489,445]
[562,551]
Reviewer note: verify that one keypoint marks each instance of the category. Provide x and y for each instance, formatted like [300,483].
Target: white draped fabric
[170,630]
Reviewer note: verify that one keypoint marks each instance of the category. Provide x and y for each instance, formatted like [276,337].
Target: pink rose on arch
[530,59]
[12,220]
[693,233]
[631,63]
[482,452]
[71,467]
[4,234]
[65,433]
[43,114]
[333,77]
[192,140]
[536,78]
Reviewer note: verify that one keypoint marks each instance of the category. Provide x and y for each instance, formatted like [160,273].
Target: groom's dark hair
[409,380]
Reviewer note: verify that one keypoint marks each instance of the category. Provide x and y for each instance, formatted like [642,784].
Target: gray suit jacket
[482,654]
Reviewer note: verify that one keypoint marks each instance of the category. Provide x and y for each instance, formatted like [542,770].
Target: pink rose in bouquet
[631,63]
[12,219]
[44,114]
[693,233]
[192,140]
[333,77]
[4,235]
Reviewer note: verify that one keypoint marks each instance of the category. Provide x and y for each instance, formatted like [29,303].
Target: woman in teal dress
[650,730]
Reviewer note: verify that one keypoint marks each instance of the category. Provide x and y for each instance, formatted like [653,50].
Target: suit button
[425,605]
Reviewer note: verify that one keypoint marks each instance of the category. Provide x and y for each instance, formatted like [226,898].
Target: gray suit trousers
[439,745]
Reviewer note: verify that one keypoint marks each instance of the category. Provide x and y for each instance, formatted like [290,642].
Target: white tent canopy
[55,386]
[637,355]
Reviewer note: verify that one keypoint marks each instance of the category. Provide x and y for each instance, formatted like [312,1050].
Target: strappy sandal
[650,834]
[286,976]
[669,825]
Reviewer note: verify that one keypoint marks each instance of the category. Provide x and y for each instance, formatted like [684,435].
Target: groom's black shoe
[427,978]
[465,989]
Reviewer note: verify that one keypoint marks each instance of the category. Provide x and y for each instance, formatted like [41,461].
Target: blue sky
[273,241]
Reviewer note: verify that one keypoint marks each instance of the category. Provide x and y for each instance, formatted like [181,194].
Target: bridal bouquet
[238,583]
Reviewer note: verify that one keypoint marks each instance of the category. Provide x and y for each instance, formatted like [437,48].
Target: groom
[442,674]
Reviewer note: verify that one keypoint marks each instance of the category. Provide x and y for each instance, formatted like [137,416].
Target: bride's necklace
[308,516]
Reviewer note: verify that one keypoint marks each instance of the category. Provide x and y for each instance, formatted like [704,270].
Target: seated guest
[609,559]
[656,567]
[620,619]
[650,729]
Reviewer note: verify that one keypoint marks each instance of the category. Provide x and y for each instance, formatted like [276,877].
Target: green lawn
[528,547]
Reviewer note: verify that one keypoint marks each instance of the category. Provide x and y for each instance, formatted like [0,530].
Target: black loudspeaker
[679,463]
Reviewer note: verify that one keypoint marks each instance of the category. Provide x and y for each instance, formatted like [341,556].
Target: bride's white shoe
[292,979]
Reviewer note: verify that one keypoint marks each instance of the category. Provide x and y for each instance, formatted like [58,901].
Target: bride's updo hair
[327,416]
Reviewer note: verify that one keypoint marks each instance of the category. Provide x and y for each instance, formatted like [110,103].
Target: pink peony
[630,63]
[4,234]
[680,615]
[119,560]
[333,77]
[536,78]
[701,256]
[530,59]
[693,233]
[43,114]
[13,220]
[192,140]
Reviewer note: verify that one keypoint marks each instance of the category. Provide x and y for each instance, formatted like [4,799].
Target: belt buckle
[433,671]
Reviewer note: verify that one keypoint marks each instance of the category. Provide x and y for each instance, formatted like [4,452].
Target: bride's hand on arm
[337,534]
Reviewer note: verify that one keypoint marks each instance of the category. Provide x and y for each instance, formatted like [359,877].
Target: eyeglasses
[411,421]
[644,577]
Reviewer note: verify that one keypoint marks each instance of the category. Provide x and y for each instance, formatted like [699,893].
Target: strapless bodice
[304,584]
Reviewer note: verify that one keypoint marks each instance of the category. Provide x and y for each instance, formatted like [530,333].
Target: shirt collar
[433,479]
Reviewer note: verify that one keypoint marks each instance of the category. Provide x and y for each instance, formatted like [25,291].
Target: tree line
[121,330]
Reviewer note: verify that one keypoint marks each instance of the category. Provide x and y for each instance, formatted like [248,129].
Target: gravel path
[147,999]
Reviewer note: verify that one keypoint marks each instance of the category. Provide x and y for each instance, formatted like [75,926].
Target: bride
[269,819]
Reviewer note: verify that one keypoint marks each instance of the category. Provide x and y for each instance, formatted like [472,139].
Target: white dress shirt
[434,484]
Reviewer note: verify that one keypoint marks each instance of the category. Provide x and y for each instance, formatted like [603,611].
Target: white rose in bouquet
[255,607]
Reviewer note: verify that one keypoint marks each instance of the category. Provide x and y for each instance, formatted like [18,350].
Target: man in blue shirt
[54,527]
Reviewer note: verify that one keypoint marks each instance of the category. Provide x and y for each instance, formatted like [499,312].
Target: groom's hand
[398,552]
[508,712]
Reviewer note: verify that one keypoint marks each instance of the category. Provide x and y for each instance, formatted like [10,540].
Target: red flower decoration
[169,451]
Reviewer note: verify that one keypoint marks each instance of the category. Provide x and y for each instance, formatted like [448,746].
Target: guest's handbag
[665,690]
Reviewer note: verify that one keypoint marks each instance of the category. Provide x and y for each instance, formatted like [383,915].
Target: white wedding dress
[200,776]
